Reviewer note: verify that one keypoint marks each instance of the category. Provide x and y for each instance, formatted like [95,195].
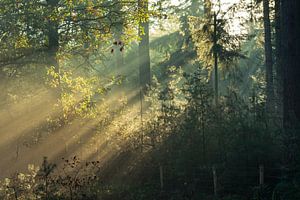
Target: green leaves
[227,46]
[71,23]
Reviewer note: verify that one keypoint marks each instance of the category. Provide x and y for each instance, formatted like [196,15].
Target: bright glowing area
[148,99]
[175,2]
[236,17]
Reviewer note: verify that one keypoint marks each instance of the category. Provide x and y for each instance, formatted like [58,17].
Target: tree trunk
[53,44]
[279,68]
[215,54]
[118,44]
[290,43]
[268,61]
[144,53]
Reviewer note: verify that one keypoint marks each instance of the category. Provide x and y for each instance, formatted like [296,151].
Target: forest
[149,100]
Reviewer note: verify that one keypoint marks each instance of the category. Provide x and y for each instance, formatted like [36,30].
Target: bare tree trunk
[290,43]
[290,57]
[215,54]
[268,61]
[144,53]
[279,67]
[144,59]
[53,43]
[118,44]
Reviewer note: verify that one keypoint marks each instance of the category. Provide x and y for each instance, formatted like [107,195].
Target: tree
[42,31]
[214,44]
[268,59]
[278,64]
[117,31]
[144,53]
[215,57]
[198,95]
[290,54]
[290,59]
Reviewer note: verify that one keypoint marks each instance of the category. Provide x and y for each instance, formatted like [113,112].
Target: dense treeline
[191,99]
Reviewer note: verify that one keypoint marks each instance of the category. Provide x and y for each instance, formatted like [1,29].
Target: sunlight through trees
[144,99]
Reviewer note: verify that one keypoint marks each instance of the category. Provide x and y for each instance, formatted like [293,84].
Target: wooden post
[141,116]
[214,171]
[66,147]
[161,174]
[261,175]
[17,150]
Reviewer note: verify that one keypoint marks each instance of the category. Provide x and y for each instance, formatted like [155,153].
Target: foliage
[20,186]
[77,93]
[159,146]
[227,46]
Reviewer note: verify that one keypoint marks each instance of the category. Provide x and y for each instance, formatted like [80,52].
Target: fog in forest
[140,100]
